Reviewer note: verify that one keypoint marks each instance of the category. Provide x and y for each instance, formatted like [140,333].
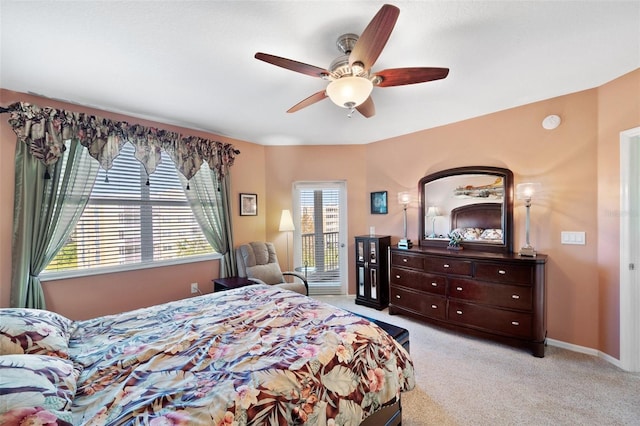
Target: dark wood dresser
[495,295]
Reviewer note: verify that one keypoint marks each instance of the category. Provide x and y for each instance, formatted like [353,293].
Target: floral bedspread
[255,355]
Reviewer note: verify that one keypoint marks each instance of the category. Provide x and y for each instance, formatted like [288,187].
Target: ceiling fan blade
[374,37]
[401,76]
[316,97]
[292,65]
[367,108]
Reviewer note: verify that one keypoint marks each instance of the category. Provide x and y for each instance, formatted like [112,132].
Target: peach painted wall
[564,161]
[577,164]
[568,161]
[286,165]
[97,295]
[618,110]
[110,293]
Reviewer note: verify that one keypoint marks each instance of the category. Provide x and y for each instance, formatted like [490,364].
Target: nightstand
[222,284]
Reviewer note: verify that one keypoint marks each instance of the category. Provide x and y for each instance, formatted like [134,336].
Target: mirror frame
[507,208]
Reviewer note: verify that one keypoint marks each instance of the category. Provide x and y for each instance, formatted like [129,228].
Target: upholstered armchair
[258,262]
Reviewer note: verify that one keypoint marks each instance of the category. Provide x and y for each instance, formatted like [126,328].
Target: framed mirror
[474,202]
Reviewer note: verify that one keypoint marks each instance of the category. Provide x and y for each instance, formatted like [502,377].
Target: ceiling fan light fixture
[349,92]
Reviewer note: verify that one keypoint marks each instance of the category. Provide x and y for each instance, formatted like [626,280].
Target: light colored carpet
[468,381]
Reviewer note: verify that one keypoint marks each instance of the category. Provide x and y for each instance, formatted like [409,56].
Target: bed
[252,355]
[481,222]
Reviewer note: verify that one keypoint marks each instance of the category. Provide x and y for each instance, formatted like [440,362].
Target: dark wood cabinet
[222,284]
[372,271]
[494,295]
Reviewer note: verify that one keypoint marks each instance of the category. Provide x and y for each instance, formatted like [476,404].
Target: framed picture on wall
[379,202]
[248,204]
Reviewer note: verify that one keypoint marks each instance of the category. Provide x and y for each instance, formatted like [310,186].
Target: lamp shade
[433,211]
[286,221]
[526,191]
[404,198]
[349,92]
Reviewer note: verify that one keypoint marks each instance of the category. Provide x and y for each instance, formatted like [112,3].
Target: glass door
[319,238]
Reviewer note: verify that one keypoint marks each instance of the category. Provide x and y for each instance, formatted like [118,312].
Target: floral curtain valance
[44,130]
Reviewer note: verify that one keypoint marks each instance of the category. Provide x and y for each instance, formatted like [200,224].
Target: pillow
[36,389]
[34,331]
[269,273]
[491,234]
[468,233]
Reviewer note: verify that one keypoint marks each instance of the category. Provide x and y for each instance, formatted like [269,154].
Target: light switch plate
[573,237]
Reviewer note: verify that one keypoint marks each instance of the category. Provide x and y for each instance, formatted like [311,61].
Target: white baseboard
[584,350]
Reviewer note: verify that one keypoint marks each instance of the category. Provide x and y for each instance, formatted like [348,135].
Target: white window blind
[319,229]
[130,220]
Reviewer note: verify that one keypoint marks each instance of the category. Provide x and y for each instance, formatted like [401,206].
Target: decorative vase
[455,248]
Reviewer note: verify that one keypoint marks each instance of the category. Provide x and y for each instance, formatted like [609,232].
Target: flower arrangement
[454,241]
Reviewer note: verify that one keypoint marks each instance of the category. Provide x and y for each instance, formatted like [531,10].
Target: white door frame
[629,250]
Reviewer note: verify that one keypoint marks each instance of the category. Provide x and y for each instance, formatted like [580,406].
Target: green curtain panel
[208,197]
[44,215]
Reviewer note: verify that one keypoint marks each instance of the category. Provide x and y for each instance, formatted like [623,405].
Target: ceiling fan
[350,75]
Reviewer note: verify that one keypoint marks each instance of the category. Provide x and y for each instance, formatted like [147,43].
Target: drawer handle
[397,277]
[434,306]
[515,296]
[502,271]
[434,284]
[515,323]
[459,312]
[404,260]
[446,265]
[397,296]
[459,288]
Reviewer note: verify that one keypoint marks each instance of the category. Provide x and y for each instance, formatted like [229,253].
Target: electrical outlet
[194,288]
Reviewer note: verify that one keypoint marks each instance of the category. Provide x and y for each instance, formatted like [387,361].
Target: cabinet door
[360,251]
[368,279]
[362,264]
[373,252]
[373,282]
[361,276]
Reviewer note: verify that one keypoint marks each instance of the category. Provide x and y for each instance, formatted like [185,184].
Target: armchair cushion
[269,274]
[260,261]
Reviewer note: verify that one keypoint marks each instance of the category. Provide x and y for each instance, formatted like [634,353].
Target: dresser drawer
[518,274]
[507,296]
[436,284]
[443,265]
[406,260]
[516,324]
[432,306]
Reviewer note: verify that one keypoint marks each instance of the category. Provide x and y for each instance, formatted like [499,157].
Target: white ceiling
[191,63]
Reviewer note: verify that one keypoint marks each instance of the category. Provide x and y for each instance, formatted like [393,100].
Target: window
[132,221]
